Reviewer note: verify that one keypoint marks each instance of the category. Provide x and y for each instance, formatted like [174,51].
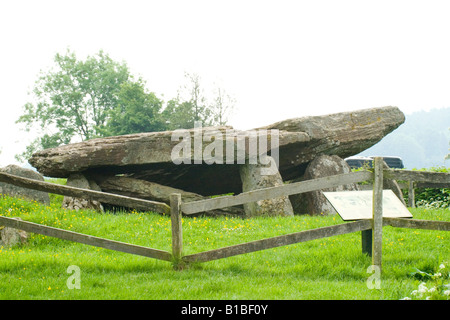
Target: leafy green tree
[137,111]
[179,115]
[74,100]
[78,100]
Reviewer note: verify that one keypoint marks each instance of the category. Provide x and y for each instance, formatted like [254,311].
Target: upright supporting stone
[264,175]
[177,234]
[79,180]
[314,202]
[10,236]
[377,218]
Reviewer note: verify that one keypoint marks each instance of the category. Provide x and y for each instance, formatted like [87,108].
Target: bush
[433,286]
[430,197]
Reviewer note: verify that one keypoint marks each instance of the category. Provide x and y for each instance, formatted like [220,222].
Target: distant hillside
[422,141]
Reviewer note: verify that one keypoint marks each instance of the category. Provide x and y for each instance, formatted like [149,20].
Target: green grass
[329,268]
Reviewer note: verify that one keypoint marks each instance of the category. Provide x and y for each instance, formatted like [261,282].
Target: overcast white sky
[279,59]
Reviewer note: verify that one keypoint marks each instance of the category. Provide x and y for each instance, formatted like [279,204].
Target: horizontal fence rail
[110,198]
[273,192]
[417,224]
[408,186]
[418,176]
[279,241]
[85,239]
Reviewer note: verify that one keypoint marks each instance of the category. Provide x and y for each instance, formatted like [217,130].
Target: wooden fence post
[377,212]
[411,196]
[177,234]
[366,242]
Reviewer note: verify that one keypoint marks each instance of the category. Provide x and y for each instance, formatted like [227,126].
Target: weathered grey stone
[10,236]
[147,156]
[80,181]
[253,178]
[19,192]
[314,202]
[131,187]
[342,134]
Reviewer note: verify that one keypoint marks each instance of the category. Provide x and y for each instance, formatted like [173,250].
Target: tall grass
[329,268]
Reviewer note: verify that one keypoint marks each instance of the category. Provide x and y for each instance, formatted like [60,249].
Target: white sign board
[357,205]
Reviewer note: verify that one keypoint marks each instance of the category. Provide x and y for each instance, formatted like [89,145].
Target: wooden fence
[415,179]
[90,195]
[371,229]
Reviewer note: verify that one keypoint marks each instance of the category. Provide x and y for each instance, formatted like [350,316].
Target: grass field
[329,268]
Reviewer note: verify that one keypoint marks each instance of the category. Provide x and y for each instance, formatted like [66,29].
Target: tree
[223,105]
[192,104]
[78,100]
[194,96]
[137,111]
[75,99]
[179,115]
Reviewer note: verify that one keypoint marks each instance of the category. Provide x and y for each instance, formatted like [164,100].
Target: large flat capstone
[149,156]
